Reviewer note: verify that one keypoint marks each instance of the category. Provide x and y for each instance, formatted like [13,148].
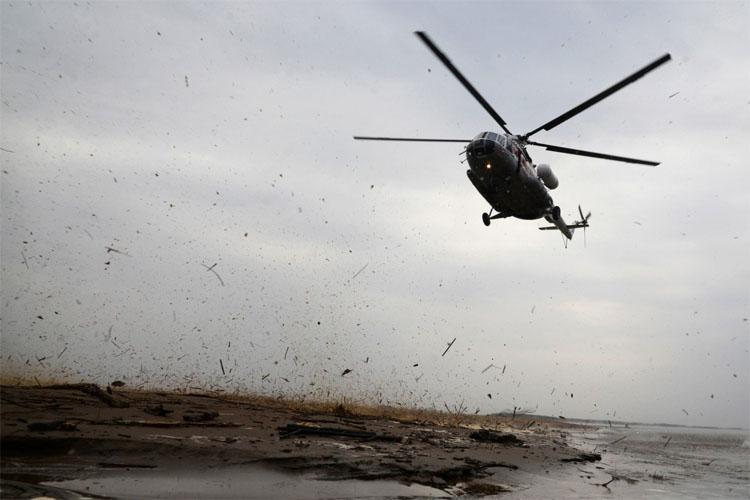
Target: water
[245,482]
[674,462]
[637,462]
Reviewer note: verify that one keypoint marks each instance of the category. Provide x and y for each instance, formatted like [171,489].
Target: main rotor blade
[409,139]
[604,156]
[614,88]
[435,50]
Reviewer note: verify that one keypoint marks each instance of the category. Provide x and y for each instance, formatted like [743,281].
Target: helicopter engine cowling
[545,173]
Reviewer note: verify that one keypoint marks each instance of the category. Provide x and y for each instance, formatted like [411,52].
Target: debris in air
[212,270]
[110,249]
[345,372]
[449,346]
[363,268]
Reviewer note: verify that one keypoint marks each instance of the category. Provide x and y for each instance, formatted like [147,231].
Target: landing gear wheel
[486,219]
[556,213]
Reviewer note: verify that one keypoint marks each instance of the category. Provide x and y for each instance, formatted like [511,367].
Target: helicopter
[500,167]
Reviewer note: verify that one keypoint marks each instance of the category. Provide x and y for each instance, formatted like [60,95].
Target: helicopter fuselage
[503,173]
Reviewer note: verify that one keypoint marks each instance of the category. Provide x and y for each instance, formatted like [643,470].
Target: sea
[637,462]
[661,461]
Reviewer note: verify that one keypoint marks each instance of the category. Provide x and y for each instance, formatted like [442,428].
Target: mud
[72,438]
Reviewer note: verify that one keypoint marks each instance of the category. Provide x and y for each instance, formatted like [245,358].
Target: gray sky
[184,134]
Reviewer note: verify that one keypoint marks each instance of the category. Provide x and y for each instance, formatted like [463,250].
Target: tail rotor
[584,223]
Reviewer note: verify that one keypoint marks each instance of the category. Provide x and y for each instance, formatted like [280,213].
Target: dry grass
[344,407]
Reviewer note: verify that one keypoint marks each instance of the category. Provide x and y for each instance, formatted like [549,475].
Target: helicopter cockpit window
[489,141]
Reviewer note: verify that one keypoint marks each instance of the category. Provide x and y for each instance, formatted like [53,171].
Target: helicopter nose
[479,148]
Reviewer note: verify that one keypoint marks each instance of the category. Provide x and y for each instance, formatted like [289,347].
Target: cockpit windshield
[486,142]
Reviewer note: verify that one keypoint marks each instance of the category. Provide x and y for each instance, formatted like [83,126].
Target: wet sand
[76,441]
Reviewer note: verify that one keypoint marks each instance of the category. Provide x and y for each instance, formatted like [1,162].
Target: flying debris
[449,346]
[110,249]
[363,268]
[212,270]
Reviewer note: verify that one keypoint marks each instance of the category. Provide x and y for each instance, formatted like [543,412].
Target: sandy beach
[78,441]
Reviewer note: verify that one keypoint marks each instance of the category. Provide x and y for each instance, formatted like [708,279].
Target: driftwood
[203,417]
[583,457]
[95,391]
[151,423]
[157,410]
[495,437]
[91,389]
[479,464]
[296,429]
[55,425]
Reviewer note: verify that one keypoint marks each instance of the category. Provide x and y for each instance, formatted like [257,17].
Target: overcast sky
[187,135]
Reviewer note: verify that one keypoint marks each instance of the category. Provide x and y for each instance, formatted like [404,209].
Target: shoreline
[85,437]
